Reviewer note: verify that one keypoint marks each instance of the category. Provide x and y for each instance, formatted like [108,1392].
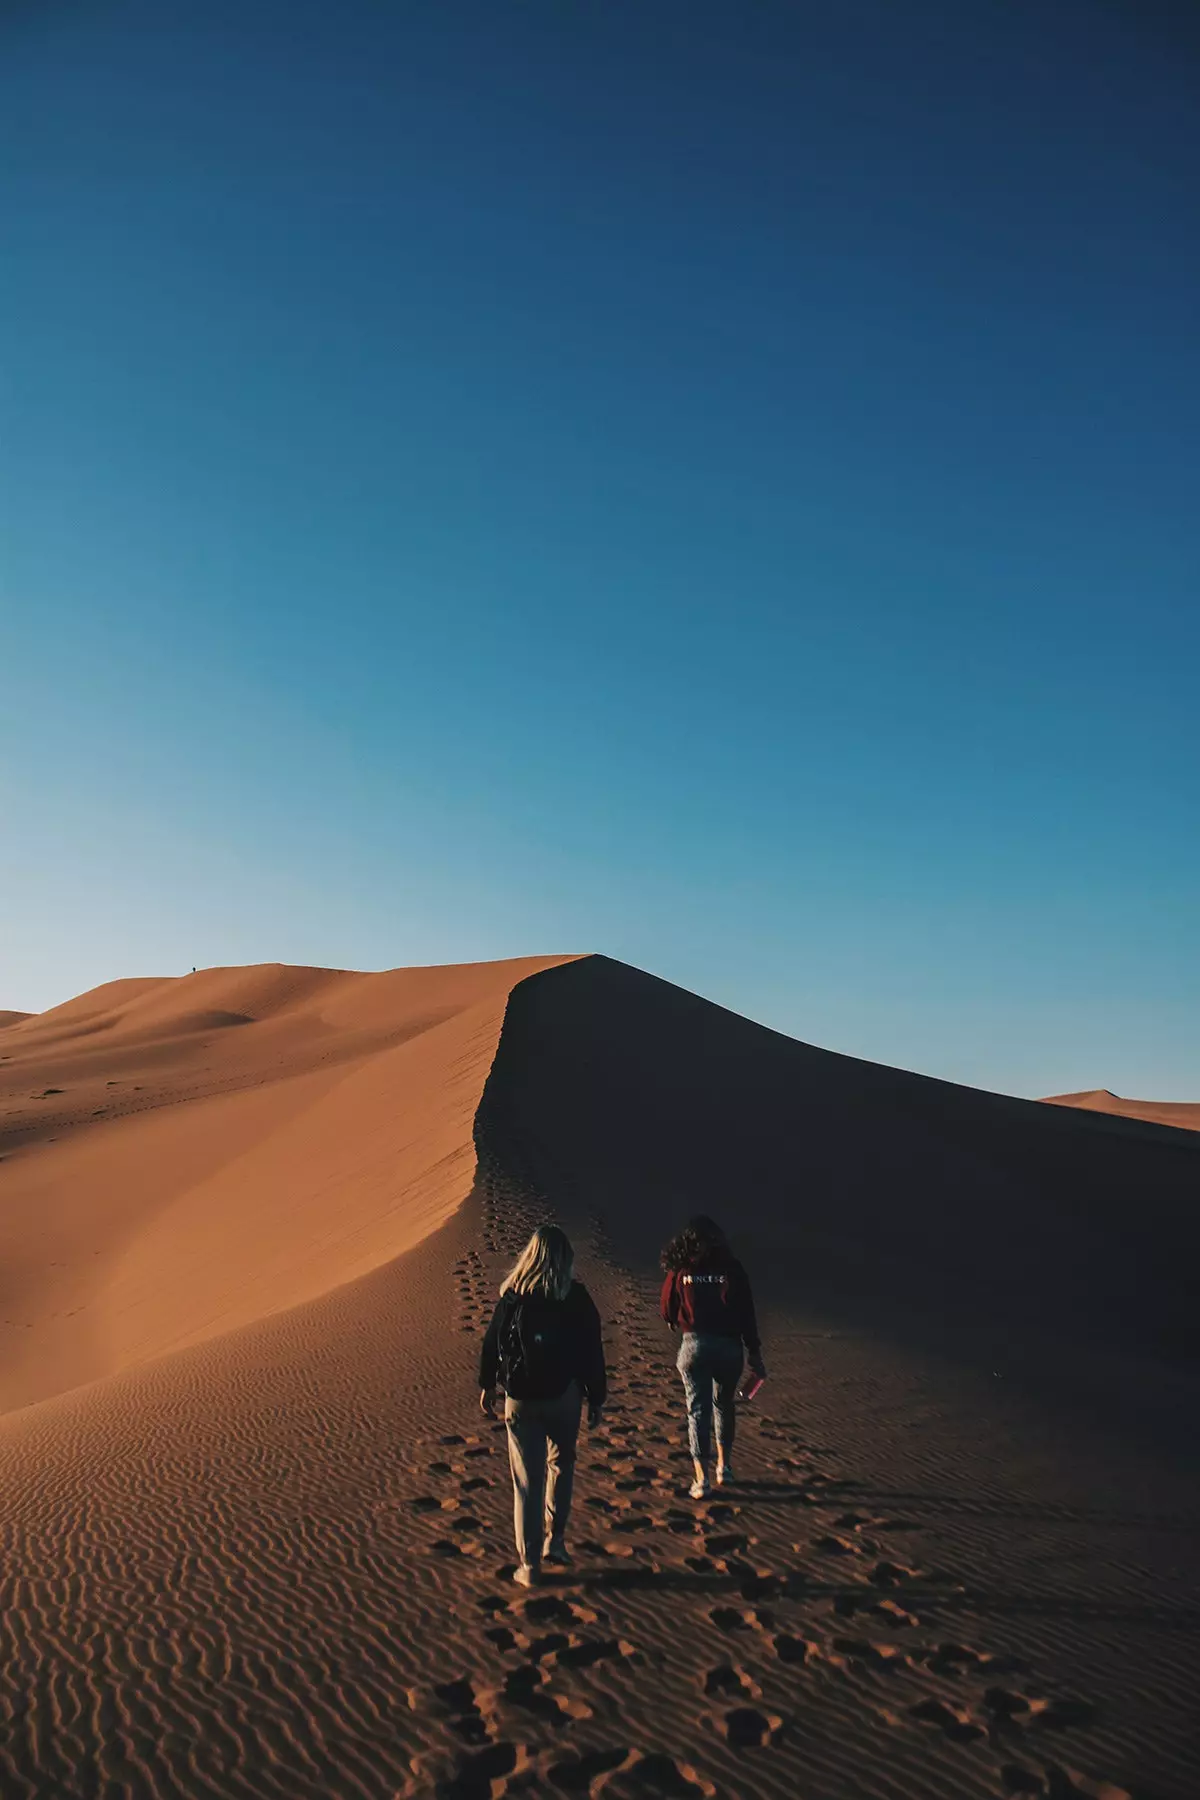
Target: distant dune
[13,1018]
[255,1533]
[1183,1115]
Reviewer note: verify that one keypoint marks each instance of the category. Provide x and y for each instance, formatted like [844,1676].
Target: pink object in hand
[751,1387]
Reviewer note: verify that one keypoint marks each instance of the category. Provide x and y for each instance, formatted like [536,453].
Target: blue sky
[715,484]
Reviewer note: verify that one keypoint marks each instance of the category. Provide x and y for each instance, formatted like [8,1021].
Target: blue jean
[711,1368]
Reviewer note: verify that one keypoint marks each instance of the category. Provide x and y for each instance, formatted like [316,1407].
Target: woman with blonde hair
[544,1348]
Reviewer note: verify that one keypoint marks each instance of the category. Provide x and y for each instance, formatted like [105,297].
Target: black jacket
[583,1360]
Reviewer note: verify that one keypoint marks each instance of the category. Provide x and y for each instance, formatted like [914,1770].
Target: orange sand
[1183,1115]
[190,1154]
[255,1535]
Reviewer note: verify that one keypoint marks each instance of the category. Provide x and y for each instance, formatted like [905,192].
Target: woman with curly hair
[706,1296]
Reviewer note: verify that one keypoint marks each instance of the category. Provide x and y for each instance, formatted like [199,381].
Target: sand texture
[1182,1115]
[255,1535]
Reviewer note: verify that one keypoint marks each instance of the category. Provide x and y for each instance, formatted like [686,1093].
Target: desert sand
[1181,1114]
[255,1534]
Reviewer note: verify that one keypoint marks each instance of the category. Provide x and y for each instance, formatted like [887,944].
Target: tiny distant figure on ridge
[544,1348]
[706,1296]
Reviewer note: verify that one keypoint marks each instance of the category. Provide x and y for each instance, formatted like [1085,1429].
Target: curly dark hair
[701,1240]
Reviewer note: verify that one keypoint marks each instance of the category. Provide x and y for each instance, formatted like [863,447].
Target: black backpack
[535,1347]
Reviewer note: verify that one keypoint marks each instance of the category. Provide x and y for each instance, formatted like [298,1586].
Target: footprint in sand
[545,1608]
[725,1543]
[893,1612]
[952,1659]
[527,1688]
[833,1545]
[662,1777]
[467,1522]
[892,1574]
[458,1698]
[762,1584]
[1006,1708]
[955,1722]
[733,1618]
[480,1776]
[728,1679]
[873,1655]
[746,1728]
[581,1774]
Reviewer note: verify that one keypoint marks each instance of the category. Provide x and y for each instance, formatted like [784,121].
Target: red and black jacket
[712,1297]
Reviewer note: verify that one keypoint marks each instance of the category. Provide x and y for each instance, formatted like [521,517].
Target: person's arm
[668,1303]
[593,1374]
[489,1362]
[747,1320]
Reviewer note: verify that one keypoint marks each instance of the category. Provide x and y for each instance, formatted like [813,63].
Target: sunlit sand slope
[1181,1114]
[182,1156]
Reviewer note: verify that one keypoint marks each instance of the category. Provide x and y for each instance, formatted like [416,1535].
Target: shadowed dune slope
[644,1103]
[13,1018]
[182,1156]
[1181,1114]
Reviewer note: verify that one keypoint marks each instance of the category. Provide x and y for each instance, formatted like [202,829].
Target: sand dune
[1181,1114]
[255,1535]
[13,1018]
[182,1156]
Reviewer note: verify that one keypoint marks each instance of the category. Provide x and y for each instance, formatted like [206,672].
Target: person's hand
[758,1367]
[487,1403]
[595,1410]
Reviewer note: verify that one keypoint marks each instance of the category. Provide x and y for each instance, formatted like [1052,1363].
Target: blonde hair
[546,1266]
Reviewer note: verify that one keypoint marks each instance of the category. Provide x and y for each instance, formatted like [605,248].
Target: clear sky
[715,484]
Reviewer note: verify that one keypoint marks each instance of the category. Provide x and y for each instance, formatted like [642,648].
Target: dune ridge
[13,1018]
[648,1102]
[1182,1115]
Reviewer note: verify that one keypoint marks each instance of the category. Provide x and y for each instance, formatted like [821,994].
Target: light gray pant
[541,1454]
[711,1368]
